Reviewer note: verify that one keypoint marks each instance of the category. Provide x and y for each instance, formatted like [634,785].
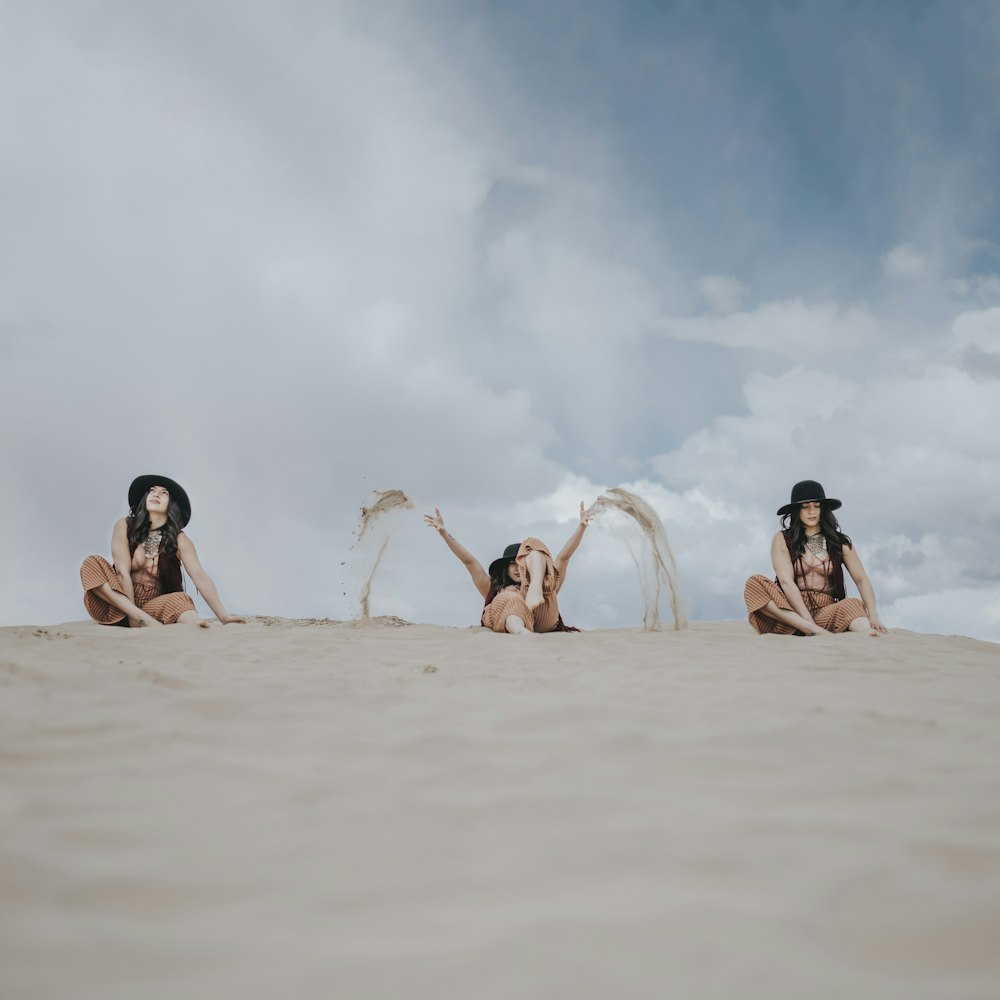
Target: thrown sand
[317,809]
[374,519]
[656,565]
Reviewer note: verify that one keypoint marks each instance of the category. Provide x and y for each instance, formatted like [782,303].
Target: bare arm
[562,560]
[864,585]
[202,581]
[783,569]
[479,576]
[122,558]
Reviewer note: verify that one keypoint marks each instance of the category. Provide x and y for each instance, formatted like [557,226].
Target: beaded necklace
[816,544]
[151,546]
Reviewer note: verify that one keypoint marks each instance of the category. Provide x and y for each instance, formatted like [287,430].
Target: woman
[521,587]
[145,586]
[809,555]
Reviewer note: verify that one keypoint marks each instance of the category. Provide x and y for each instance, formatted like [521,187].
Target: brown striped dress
[822,590]
[149,595]
[510,600]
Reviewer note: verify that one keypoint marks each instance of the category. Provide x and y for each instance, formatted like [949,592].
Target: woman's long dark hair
[139,527]
[500,579]
[795,533]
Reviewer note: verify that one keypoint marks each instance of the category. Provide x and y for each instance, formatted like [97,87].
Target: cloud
[792,328]
[722,294]
[909,453]
[959,611]
[297,255]
[978,329]
[903,261]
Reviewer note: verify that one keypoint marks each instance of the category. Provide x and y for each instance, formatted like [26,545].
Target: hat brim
[509,556]
[496,564]
[831,503]
[141,485]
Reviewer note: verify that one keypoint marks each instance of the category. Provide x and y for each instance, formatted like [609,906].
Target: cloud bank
[289,257]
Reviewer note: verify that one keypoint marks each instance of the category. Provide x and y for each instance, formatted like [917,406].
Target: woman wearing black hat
[145,586]
[521,586]
[809,555]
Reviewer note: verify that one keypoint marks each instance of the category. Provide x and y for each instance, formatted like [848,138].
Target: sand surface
[301,809]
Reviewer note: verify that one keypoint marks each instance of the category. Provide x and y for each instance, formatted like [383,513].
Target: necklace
[151,546]
[816,544]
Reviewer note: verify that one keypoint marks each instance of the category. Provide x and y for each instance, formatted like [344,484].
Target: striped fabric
[834,616]
[545,617]
[165,608]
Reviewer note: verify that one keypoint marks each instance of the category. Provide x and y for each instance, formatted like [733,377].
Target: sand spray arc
[655,563]
[378,517]
[658,556]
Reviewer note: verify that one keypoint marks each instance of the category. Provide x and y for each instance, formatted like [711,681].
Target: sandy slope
[297,809]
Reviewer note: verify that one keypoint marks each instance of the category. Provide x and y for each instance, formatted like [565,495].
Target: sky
[502,257]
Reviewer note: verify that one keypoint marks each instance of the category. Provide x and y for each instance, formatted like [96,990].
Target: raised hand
[435,520]
[585,515]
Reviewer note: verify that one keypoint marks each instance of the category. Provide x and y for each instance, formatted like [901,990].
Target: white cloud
[957,611]
[980,330]
[903,261]
[981,288]
[722,294]
[289,266]
[791,328]
[910,453]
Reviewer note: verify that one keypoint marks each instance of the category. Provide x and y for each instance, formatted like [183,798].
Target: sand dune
[309,809]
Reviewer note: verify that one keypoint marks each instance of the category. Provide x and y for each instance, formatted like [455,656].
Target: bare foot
[191,618]
[534,597]
[515,626]
[862,625]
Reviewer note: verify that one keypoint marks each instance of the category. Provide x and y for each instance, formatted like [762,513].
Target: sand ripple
[313,809]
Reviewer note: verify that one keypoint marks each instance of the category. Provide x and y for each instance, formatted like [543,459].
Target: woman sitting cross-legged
[521,586]
[145,586]
[809,555]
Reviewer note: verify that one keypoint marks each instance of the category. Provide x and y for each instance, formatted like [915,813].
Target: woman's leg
[136,616]
[507,612]
[766,604]
[192,618]
[539,584]
[534,563]
[792,619]
[515,625]
[104,598]
[847,615]
[174,607]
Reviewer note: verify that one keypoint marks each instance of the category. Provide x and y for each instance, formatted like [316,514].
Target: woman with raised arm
[520,588]
[145,585]
[809,555]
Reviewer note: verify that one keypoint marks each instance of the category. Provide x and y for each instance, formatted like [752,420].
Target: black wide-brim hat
[509,555]
[141,485]
[805,491]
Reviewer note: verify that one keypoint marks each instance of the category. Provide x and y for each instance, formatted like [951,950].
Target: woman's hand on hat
[435,520]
